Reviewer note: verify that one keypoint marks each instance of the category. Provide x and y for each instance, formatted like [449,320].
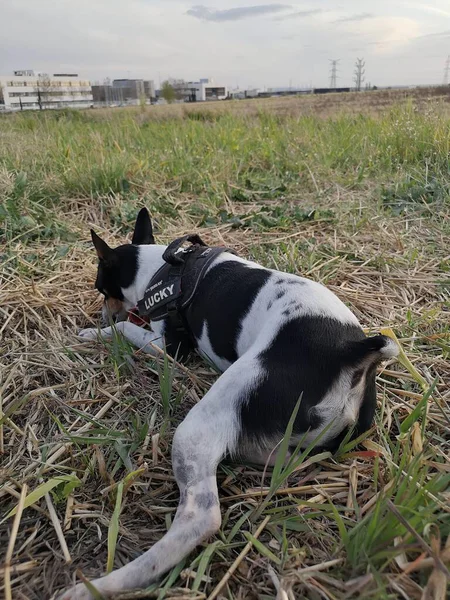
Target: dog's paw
[89,334]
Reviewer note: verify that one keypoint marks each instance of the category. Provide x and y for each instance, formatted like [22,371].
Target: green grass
[245,159]
[356,200]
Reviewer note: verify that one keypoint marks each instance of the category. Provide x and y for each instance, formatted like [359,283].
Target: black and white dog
[275,337]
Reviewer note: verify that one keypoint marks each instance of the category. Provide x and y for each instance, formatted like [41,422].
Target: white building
[206,89]
[26,90]
[242,94]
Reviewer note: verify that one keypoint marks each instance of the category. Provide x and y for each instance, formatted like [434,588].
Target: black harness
[173,287]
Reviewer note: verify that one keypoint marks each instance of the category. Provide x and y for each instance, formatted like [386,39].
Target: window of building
[25,104]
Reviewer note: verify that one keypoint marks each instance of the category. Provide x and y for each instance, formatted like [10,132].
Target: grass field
[351,191]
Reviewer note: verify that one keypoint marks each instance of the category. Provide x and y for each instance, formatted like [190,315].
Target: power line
[447,71]
[359,73]
[333,74]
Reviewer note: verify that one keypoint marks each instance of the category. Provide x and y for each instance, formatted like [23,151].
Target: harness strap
[170,255]
[173,287]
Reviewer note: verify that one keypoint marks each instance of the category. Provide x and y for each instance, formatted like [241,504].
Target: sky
[239,43]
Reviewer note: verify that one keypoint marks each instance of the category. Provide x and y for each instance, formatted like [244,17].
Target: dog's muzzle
[115,317]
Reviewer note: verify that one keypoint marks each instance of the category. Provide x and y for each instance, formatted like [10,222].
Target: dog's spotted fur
[276,337]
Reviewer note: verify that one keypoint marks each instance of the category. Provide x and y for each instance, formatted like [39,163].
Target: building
[101,93]
[130,89]
[149,89]
[107,95]
[26,90]
[198,91]
[331,90]
[123,91]
[239,94]
[206,89]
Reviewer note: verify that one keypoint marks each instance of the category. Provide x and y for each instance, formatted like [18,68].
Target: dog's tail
[372,350]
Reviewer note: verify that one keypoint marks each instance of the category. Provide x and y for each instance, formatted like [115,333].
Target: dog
[275,337]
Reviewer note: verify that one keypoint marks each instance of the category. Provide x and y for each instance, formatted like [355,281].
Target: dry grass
[324,105]
[371,522]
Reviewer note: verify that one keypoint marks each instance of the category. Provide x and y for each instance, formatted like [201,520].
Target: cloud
[439,34]
[429,8]
[234,14]
[354,18]
[93,39]
[301,14]
[391,34]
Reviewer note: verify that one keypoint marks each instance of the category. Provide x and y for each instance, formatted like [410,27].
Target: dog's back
[304,342]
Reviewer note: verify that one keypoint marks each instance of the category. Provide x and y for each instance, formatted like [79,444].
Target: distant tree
[2,99]
[168,92]
[180,87]
[44,85]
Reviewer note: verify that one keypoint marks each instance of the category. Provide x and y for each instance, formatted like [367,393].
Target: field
[352,191]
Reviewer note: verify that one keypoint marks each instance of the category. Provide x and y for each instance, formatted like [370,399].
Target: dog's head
[118,267]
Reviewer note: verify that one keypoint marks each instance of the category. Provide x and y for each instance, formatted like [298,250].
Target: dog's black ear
[143,230]
[103,250]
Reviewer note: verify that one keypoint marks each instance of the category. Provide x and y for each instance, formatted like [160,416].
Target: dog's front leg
[138,336]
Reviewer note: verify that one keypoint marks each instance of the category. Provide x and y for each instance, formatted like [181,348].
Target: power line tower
[447,71]
[333,74]
[359,73]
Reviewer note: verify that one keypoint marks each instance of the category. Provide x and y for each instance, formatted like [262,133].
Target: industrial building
[196,91]
[201,91]
[129,89]
[149,89]
[206,89]
[27,90]
[123,91]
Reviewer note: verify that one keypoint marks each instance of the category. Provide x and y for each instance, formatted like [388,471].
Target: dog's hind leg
[210,431]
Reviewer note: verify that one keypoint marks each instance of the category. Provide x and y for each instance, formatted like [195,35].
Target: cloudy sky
[241,43]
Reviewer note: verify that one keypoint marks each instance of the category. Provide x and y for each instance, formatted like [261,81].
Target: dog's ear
[143,230]
[103,250]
